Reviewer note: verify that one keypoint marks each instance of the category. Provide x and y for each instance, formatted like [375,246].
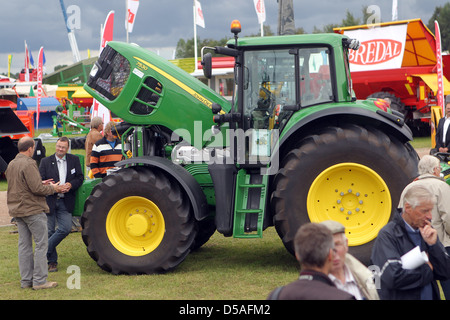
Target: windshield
[271,80]
[110,74]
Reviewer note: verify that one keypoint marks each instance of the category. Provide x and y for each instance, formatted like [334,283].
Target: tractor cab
[274,81]
[278,81]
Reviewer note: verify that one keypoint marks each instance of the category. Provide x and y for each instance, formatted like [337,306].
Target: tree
[185,48]
[59,66]
[267,32]
[442,16]
[348,21]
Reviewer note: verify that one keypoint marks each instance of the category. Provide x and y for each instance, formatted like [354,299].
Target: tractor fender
[187,181]
[390,123]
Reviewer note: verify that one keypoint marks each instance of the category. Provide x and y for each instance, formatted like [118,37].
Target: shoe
[52,267]
[47,285]
[26,286]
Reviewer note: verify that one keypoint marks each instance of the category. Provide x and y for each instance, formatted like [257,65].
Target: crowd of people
[42,201]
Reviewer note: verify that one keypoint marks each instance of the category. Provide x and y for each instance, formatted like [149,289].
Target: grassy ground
[421,142]
[223,269]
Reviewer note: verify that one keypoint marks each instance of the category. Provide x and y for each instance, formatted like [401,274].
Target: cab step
[250,204]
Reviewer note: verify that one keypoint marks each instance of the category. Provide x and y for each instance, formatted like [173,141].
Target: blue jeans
[63,219]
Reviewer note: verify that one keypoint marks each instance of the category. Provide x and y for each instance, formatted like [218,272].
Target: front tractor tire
[138,221]
[353,175]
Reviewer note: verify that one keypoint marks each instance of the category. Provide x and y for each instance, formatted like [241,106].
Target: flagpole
[195,38]
[394,10]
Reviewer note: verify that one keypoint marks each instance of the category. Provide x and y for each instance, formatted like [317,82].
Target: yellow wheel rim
[135,226]
[353,195]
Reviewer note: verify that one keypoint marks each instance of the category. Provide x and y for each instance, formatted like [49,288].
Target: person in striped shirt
[106,152]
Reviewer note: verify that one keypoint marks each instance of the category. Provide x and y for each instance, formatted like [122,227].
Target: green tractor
[293,146]
[444,158]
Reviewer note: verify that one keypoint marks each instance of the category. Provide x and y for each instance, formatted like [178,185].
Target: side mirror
[207,65]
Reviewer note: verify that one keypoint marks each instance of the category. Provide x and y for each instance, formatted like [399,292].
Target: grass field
[223,269]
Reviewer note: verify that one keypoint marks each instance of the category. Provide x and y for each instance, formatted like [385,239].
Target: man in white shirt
[347,273]
[64,168]
[443,132]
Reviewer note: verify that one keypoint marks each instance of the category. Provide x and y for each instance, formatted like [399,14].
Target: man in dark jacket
[65,168]
[410,228]
[314,249]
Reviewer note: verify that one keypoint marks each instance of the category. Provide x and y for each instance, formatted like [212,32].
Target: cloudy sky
[160,24]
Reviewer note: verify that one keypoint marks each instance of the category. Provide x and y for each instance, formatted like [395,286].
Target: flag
[394,10]
[132,7]
[260,10]
[9,65]
[108,30]
[31,59]
[440,90]
[97,109]
[199,19]
[27,63]
[39,85]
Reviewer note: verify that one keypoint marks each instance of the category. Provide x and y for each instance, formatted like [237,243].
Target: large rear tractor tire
[138,221]
[353,175]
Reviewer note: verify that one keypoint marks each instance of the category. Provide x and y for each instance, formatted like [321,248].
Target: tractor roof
[289,40]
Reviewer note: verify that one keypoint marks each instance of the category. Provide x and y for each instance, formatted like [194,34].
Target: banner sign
[199,19]
[440,93]
[381,48]
[260,10]
[40,72]
[97,109]
[132,7]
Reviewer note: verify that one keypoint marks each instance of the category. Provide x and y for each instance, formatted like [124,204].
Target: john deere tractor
[293,146]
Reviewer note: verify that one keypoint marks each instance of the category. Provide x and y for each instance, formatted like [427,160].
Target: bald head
[24,144]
